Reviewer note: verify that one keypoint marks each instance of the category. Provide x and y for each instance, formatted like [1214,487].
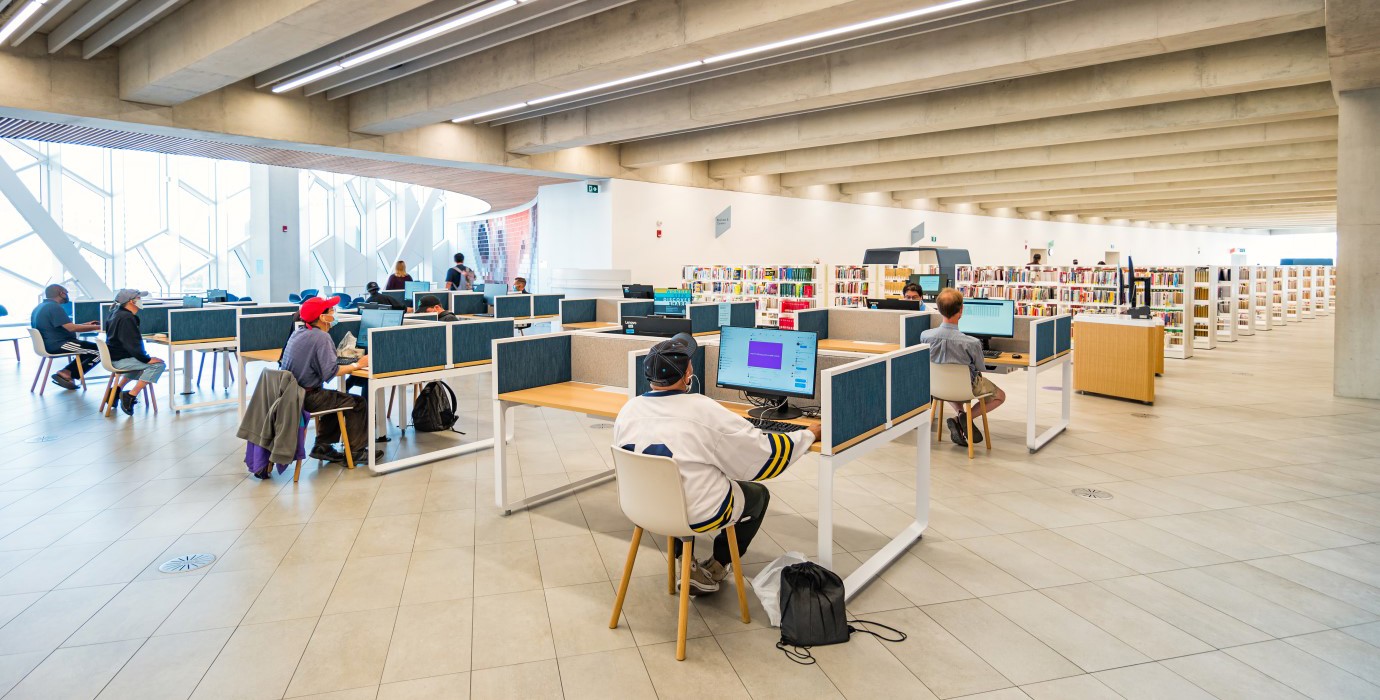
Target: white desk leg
[225,370]
[1032,396]
[372,400]
[922,475]
[186,371]
[241,384]
[501,428]
[172,379]
[825,539]
[1066,411]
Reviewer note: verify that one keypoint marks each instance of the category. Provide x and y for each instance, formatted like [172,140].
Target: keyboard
[773,426]
[991,354]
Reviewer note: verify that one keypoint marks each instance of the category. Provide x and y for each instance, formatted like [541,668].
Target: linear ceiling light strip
[19,18]
[785,43]
[399,44]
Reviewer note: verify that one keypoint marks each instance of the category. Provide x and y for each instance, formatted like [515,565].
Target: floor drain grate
[186,562]
[44,438]
[1052,388]
[1094,494]
[602,426]
[1151,416]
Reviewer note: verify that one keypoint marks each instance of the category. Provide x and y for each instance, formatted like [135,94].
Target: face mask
[690,388]
[333,321]
[138,302]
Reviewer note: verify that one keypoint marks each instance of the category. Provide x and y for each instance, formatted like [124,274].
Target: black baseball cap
[668,360]
[428,301]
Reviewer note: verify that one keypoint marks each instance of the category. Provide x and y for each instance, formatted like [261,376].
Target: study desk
[590,326]
[606,402]
[1009,362]
[246,357]
[187,347]
[389,380]
[864,346]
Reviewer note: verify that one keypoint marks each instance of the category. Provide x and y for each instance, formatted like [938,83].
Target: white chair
[954,382]
[651,496]
[111,393]
[45,362]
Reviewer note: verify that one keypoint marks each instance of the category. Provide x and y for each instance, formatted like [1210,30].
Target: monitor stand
[986,341]
[780,410]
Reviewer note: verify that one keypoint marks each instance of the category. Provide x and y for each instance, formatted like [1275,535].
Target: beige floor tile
[1343,588]
[118,563]
[864,668]
[445,529]
[1064,631]
[973,573]
[323,541]
[1343,651]
[1144,632]
[257,662]
[44,570]
[134,613]
[1260,613]
[511,629]
[219,600]
[506,568]
[1150,682]
[431,639]
[439,574]
[1072,556]
[1224,677]
[346,651]
[567,561]
[1202,621]
[295,591]
[1300,599]
[767,673]
[258,548]
[1075,688]
[79,672]
[540,680]
[1012,651]
[369,583]
[652,614]
[944,664]
[1015,559]
[1128,553]
[1302,671]
[579,620]
[619,673]
[455,686]
[167,668]
[391,534]
[705,666]
[48,621]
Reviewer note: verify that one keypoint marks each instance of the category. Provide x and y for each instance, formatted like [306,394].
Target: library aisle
[1236,555]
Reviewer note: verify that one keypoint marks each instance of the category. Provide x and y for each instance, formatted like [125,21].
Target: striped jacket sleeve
[748,454]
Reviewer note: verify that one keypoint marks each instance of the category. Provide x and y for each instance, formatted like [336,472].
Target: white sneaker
[700,580]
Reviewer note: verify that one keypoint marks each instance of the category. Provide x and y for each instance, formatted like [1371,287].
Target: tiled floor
[1238,559]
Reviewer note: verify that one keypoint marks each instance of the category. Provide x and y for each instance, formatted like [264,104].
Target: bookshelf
[1226,296]
[1292,306]
[1244,313]
[1307,291]
[767,286]
[1171,296]
[1263,291]
[894,280]
[1089,290]
[1204,305]
[848,285]
[1322,292]
[1279,305]
[1332,289]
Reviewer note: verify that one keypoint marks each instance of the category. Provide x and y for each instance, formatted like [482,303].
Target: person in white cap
[126,345]
[721,456]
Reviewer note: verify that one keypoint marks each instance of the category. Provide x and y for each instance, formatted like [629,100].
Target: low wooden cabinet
[1117,356]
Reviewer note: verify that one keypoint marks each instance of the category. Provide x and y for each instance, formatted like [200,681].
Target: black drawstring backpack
[435,409]
[812,612]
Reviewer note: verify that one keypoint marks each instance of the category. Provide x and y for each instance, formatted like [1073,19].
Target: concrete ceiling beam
[1353,43]
[1327,196]
[1040,196]
[209,44]
[1259,154]
[1177,196]
[1285,60]
[1208,210]
[1042,40]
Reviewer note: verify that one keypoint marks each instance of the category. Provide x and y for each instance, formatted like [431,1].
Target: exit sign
[592,189]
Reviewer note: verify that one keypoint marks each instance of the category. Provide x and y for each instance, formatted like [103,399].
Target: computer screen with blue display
[413,287]
[191,301]
[671,302]
[494,289]
[376,318]
[768,361]
[993,318]
[929,284]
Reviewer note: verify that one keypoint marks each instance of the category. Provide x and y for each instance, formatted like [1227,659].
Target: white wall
[768,229]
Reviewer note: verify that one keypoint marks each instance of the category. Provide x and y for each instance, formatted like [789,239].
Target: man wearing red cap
[310,357]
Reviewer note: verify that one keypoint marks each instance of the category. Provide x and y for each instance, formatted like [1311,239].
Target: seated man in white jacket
[719,453]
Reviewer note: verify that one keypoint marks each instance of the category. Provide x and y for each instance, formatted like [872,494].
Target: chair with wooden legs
[112,386]
[45,362]
[651,496]
[954,383]
[344,439]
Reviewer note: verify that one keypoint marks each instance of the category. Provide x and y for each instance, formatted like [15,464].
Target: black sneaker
[956,432]
[362,456]
[976,435]
[63,382]
[127,402]
[327,454]
[265,473]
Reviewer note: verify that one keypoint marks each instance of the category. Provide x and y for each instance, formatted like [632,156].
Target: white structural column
[1357,353]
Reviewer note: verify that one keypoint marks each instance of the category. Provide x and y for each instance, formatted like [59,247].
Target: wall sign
[723,222]
[917,234]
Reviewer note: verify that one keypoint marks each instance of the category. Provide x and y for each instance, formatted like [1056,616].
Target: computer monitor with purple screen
[770,364]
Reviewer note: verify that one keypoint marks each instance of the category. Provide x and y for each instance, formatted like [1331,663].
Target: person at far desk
[377,297]
[721,456]
[949,345]
[126,345]
[429,304]
[912,292]
[310,356]
[399,278]
[520,285]
[459,278]
[59,333]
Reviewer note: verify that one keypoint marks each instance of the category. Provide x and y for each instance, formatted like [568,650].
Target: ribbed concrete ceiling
[1178,111]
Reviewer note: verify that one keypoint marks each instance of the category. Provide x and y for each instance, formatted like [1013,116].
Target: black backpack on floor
[812,612]
[435,409]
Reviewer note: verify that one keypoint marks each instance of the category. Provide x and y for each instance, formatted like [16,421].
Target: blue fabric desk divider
[513,306]
[154,319]
[264,331]
[855,400]
[525,363]
[1063,337]
[912,327]
[200,324]
[1050,336]
[546,304]
[635,308]
[641,385]
[407,348]
[269,309]
[578,310]
[472,341]
[398,294]
[909,374]
[87,311]
[343,326]
[468,303]
[704,318]
[742,314]
[814,320]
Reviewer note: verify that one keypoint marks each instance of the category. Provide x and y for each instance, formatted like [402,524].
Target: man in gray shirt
[949,345]
[310,356]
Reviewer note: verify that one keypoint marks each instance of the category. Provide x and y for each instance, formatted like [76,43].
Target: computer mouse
[1015,357]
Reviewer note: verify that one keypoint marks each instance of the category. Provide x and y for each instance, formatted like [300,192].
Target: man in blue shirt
[949,345]
[311,358]
[59,333]
[912,292]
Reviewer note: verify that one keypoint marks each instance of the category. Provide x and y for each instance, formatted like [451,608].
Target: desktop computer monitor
[988,318]
[411,288]
[671,302]
[493,289]
[638,291]
[929,284]
[895,304]
[771,364]
[658,326]
[217,295]
[191,301]
[376,318]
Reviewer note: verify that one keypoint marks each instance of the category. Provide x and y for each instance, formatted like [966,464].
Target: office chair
[953,382]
